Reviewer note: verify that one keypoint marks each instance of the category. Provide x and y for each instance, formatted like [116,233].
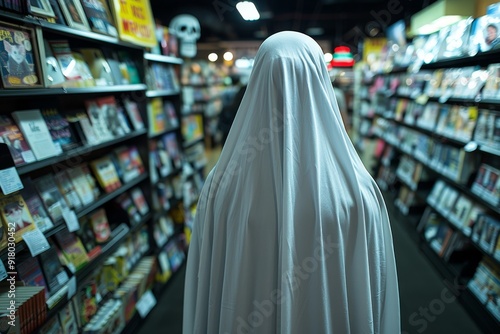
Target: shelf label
[71,220]
[36,242]
[145,303]
[10,181]
[71,287]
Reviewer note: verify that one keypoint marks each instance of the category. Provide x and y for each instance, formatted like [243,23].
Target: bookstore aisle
[426,304]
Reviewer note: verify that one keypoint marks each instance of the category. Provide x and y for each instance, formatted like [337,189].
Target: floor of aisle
[426,305]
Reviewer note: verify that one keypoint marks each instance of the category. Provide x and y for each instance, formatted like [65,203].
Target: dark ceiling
[343,21]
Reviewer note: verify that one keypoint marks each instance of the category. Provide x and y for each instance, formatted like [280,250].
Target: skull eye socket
[183,28]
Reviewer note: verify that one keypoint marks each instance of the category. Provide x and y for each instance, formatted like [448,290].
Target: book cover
[53,72]
[192,127]
[172,146]
[465,123]
[15,214]
[68,190]
[173,120]
[72,248]
[52,199]
[18,57]
[36,132]
[126,203]
[80,123]
[461,210]
[84,184]
[134,114]
[60,130]
[120,77]
[11,135]
[100,226]
[86,235]
[66,59]
[444,112]
[35,206]
[157,117]
[98,65]
[140,200]
[103,117]
[53,271]
[484,34]
[106,174]
[67,318]
[130,162]
[99,17]
[489,234]
[30,272]
[131,67]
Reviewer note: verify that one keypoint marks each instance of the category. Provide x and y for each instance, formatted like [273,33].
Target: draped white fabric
[291,233]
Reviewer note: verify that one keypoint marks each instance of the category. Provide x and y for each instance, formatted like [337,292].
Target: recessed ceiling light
[315,31]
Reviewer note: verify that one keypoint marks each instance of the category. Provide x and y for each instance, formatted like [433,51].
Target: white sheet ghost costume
[291,233]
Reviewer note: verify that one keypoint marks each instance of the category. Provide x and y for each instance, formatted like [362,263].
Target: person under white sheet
[291,233]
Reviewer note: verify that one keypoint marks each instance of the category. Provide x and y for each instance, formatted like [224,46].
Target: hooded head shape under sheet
[291,233]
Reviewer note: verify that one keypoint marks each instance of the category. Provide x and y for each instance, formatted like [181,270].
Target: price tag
[71,287]
[36,242]
[10,181]
[3,272]
[71,220]
[145,304]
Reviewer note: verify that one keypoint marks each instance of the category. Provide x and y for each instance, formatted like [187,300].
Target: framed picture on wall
[74,14]
[41,7]
[19,58]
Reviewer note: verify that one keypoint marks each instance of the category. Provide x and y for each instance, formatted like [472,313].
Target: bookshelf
[412,123]
[110,123]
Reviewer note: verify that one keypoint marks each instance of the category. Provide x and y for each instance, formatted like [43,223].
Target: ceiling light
[228,56]
[328,57]
[213,57]
[314,31]
[248,10]
[440,14]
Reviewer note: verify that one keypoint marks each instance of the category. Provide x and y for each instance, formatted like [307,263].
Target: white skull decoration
[187,29]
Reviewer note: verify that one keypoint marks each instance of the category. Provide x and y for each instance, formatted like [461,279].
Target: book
[172,147]
[36,132]
[484,34]
[134,114]
[72,249]
[192,127]
[35,206]
[52,199]
[98,65]
[60,130]
[489,234]
[52,326]
[67,318]
[118,70]
[20,61]
[126,203]
[11,135]
[106,174]
[100,226]
[15,214]
[54,273]
[52,70]
[99,17]
[156,115]
[99,118]
[140,200]
[84,184]
[30,273]
[461,210]
[86,235]
[80,122]
[68,190]
[130,162]
[131,68]
[173,120]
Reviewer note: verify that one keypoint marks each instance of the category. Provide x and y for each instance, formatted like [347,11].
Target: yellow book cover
[16,216]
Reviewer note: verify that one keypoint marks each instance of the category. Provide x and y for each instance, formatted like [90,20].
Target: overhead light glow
[248,10]
[438,24]
[328,57]
[213,57]
[228,56]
